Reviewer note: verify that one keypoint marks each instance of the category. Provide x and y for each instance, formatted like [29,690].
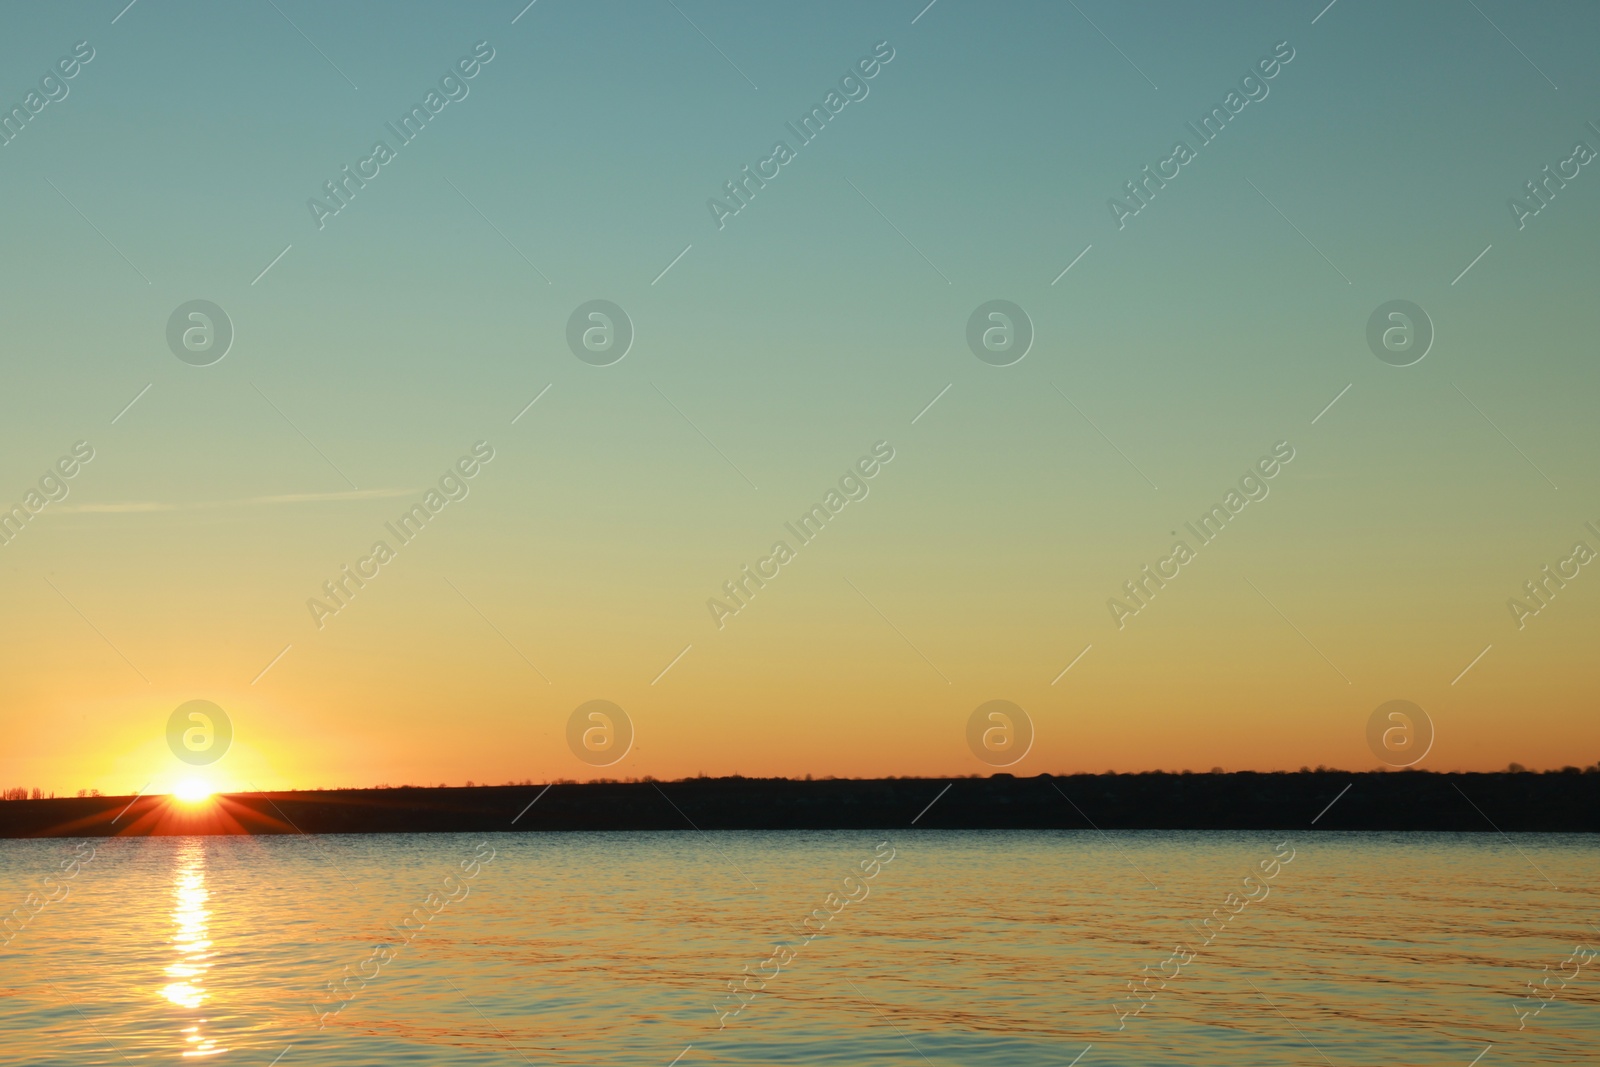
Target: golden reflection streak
[193,946]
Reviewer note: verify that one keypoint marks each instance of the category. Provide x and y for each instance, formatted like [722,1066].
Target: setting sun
[192,791]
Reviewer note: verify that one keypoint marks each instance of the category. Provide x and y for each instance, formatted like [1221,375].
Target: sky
[1174,347]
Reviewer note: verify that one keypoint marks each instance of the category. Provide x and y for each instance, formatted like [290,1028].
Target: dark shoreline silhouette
[1306,800]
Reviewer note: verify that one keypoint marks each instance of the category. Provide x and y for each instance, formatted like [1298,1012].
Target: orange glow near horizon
[864,712]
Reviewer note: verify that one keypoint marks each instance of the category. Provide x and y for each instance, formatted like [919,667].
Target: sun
[192,791]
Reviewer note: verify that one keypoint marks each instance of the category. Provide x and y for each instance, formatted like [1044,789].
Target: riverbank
[1306,800]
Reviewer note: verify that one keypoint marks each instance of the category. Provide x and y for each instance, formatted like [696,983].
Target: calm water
[994,948]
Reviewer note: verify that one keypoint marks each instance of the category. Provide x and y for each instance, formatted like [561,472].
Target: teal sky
[821,319]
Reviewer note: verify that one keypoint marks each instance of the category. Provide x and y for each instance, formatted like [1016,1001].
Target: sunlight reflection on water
[189,916]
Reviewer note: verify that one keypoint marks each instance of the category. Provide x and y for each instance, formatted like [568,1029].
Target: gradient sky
[823,318]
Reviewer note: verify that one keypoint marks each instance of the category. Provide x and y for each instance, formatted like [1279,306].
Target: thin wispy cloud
[133,507]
